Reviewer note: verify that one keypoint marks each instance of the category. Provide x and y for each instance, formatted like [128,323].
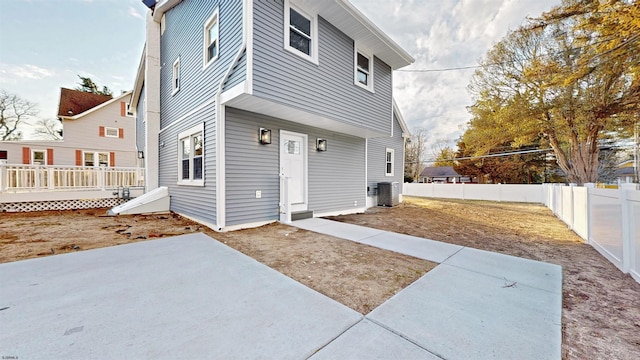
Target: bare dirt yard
[601,306]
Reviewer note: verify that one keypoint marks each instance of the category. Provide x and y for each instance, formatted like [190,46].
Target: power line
[490,155]
[612,38]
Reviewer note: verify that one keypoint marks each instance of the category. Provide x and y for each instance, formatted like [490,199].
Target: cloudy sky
[45,44]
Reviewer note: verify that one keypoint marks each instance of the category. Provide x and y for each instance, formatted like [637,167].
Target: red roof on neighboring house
[74,102]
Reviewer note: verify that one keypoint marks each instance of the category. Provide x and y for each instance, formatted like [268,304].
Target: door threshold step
[300,215]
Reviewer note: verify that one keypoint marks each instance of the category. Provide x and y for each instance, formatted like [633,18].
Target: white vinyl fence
[607,219]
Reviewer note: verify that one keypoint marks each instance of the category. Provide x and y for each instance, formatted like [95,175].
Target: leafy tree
[445,157]
[524,168]
[14,111]
[566,79]
[87,85]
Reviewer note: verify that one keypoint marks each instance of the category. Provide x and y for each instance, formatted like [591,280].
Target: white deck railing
[42,178]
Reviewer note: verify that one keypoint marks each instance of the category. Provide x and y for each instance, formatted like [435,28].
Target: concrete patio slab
[337,229]
[369,341]
[461,314]
[182,297]
[532,273]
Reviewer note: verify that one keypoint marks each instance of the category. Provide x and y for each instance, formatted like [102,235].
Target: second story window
[211,39]
[363,70]
[176,76]
[111,132]
[301,35]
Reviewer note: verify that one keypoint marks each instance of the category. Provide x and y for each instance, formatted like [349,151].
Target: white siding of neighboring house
[83,134]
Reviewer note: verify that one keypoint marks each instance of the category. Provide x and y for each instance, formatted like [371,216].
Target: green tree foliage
[445,157]
[564,81]
[87,85]
[525,168]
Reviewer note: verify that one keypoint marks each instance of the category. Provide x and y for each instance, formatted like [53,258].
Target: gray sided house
[246,106]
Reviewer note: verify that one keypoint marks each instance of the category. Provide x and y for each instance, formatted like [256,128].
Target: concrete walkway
[474,305]
[192,297]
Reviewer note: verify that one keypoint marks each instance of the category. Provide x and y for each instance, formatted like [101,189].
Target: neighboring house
[97,131]
[232,97]
[626,172]
[443,175]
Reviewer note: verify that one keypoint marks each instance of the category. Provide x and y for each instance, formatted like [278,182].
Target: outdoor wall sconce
[265,136]
[140,155]
[321,144]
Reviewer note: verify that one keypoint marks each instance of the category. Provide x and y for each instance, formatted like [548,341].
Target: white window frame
[175,77]
[107,129]
[198,129]
[96,158]
[213,19]
[392,162]
[33,156]
[369,71]
[314,32]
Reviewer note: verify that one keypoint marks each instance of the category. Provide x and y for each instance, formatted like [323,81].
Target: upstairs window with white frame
[211,39]
[191,156]
[111,132]
[301,33]
[363,70]
[389,162]
[175,79]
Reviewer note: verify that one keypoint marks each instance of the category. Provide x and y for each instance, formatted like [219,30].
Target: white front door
[293,165]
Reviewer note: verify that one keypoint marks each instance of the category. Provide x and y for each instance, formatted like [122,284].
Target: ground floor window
[39,157]
[389,162]
[191,156]
[96,159]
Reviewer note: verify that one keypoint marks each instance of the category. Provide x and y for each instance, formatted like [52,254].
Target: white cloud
[133,12]
[11,72]
[444,34]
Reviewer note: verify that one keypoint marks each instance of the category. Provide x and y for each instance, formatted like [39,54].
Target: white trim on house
[403,125]
[313,36]
[369,72]
[188,134]
[111,132]
[386,162]
[247,36]
[213,20]
[346,17]
[175,77]
[33,156]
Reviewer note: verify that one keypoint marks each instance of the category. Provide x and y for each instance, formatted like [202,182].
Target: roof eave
[96,108]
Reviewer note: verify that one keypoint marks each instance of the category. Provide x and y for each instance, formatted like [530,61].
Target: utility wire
[626,43]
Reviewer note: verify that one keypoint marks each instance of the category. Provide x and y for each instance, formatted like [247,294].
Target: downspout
[221,197]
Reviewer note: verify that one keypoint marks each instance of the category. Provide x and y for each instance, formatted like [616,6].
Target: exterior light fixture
[321,144]
[265,136]
[140,154]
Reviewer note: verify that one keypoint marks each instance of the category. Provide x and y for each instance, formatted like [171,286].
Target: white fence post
[285,205]
[626,225]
